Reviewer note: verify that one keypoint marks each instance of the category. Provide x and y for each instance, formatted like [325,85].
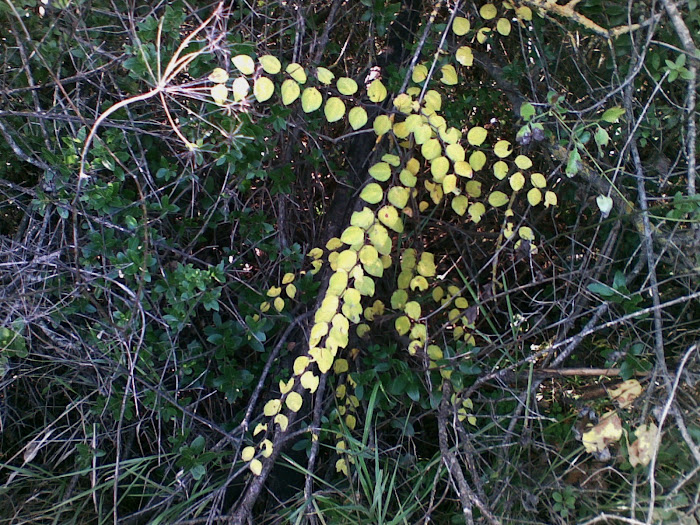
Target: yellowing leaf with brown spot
[334,109]
[476,136]
[389,216]
[218,76]
[244,64]
[608,430]
[290,91]
[376,91]
[626,392]
[642,450]
[465,56]
[498,199]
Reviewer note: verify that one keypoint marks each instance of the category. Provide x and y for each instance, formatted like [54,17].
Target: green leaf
[613,114]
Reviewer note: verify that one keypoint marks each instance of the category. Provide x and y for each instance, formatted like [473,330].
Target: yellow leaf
[340,366]
[328,308]
[476,210]
[465,56]
[482,35]
[407,178]
[413,166]
[240,89]
[517,181]
[379,237]
[500,169]
[300,364]
[244,64]
[351,421]
[523,162]
[461,303]
[334,109]
[347,259]
[346,86]
[550,199]
[449,184]
[357,117]
[523,12]
[400,129]
[352,235]
[626,392]
[449,75]
[431,149]
[290,91]
[455,152]
[422,134]
[219,93]
[323,358]
[420,73]
[526,233]
[503,26]
[389,216]
[398,196]
[502,149]
[324,76]
[272,407]
[266,447]
[412,310]
[321,329]
[460,26]
[278,303]
[642,450]
[608,430]
[282,421]
[309,381]
[477,160]
[432,100]
[381,171]
[271,65]
[296,71]
[372,193]
[218,76]
[459,204]
[376,91]
[260,427]
[488,11]
[248,453]
[402,325]
[474,189]
[286,387]
[534,196]
[476,136]
[341,466]
[294,401]
[263,89]
[419,283]
[439,167]
[311,99]
[403,102]
[381,124]
[256,467]
[498,199]
[463,169]
[538,180]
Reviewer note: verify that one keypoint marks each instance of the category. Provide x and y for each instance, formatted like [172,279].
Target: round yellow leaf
[432,100]
[523,162]
[372,193]
[271,65]
[412,310]
[324,76]
[523,12]
[311,99]
[550,199]
[336,286]
[538,180]
[294,401]
[240,89]
[449,184]
[296,71]
[219,93]
[463,169]
[244,64]
[477,160]
[256,467]
[474,189]
[526,233]
[248,453]
[455,152]
[449,75]
[357,117]
[407,178]
[300,364]
[476,136]
[290,91]
[534,196]
[459,204]
[334,109]
[465,56]
[376,91]
[460,26]
[346,86]
[309,381]
[476,210]
[502,149]
[218,76]
[483,34]
[420,73]
[389,216]
[362,219]
[403,102]
[272,407]
[488,11]
[503,26]
[431,149]
[398,196]
[381,124]
[381,171]
[263,89]
[401,130]
[439,167]
[500,170]
[353,235]
[278,303]
[517,181]
[498,199]
[422,134]
[402,325]
[347,259]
